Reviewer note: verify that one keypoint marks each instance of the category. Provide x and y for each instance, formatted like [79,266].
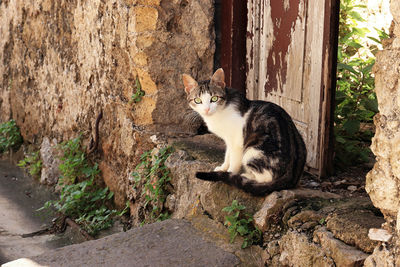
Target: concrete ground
[198,242]
[167,243]
[20,197]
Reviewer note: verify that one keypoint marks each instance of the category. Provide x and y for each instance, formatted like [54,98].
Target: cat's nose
[206,110]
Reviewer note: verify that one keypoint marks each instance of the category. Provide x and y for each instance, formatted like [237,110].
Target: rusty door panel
[233,42]
[287,59]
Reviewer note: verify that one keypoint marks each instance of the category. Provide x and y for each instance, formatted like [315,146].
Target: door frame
[233,61]
[233,43]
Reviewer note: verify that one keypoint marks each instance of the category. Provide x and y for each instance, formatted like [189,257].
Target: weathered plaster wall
[61,62]
[383,182]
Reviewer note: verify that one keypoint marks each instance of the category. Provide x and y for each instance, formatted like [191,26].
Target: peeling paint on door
[289,62]
[284,19]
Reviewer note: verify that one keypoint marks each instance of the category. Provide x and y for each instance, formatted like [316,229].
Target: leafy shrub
[74,163]
[87,204]
[80,197]
[241,224]
[10,137]
[356,102]
[32,163]
[152,176]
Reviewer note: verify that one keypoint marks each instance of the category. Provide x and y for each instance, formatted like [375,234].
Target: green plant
[356,102]
[138,95]
[74,163]
[80,197]
[10,137]
[152,176]
[87,204]
[239,223]
[32,163]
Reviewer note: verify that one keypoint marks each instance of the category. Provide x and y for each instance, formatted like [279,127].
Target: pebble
[340,182]
[379,235]
[352,188]
[313,184]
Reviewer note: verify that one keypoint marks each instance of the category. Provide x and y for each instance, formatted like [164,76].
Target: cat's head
[207,97]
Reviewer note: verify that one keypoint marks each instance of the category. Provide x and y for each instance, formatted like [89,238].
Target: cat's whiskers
[259,135]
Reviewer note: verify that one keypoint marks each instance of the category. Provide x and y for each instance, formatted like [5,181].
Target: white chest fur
[227,124]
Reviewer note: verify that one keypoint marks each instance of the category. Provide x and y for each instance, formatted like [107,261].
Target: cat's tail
[250,186]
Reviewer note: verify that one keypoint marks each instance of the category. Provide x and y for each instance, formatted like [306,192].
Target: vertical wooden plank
[233,42]
[253,47]
[285,48]
[330,46]
[226,39]
[312,79]
[290,60]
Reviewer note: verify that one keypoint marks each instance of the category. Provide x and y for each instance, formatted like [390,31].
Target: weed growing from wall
[139,93]
[81,198]
[74,162]
[242,224]
[10,137]
[32,163]
[151,177]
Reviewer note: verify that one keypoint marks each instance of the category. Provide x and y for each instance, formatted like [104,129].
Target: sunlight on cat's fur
[260,137]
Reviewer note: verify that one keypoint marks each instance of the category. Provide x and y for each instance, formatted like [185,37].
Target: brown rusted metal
[233,42]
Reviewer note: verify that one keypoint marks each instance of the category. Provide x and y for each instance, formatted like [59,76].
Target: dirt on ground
[20,198]
[348,182]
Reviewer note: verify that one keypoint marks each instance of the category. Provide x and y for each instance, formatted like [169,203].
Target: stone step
[173,242]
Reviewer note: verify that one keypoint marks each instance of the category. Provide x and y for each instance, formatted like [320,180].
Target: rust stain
[283,20]
[250,35]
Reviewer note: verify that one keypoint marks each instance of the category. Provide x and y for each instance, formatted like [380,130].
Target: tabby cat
[264,150]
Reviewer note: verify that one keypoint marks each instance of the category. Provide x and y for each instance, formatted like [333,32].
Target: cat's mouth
[208,114]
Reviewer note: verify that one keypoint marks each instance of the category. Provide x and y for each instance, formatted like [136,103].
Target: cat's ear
[218,78]
[189,83]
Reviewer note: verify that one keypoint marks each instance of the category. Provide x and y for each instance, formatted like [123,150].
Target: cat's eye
[197,100]
[214,98]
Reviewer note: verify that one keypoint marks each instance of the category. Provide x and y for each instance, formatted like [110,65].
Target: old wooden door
[291,54]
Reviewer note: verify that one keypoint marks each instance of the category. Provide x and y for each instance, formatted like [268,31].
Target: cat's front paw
[234,170]
[221,168]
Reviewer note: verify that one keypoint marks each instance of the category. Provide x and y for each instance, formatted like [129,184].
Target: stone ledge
[342,254]
[288,218]
[197,242]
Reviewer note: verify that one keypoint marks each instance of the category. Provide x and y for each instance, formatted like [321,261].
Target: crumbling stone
[274,203]
[50,157]
[62,62]
[193,196]
[382,256]
[352,226]
[216,233]
[342,254]
[379,235]
[298,251]
[383,181]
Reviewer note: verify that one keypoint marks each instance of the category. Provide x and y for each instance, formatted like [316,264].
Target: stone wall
[383,181]
[62,62]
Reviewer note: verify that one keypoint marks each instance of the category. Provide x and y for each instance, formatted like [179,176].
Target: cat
[260,137]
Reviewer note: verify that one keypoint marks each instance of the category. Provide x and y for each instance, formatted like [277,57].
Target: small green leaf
[352,126]
[342,66]
[242,230]
[111,194]
[356,16]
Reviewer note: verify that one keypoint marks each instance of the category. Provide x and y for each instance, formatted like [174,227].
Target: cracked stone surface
[168,243]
